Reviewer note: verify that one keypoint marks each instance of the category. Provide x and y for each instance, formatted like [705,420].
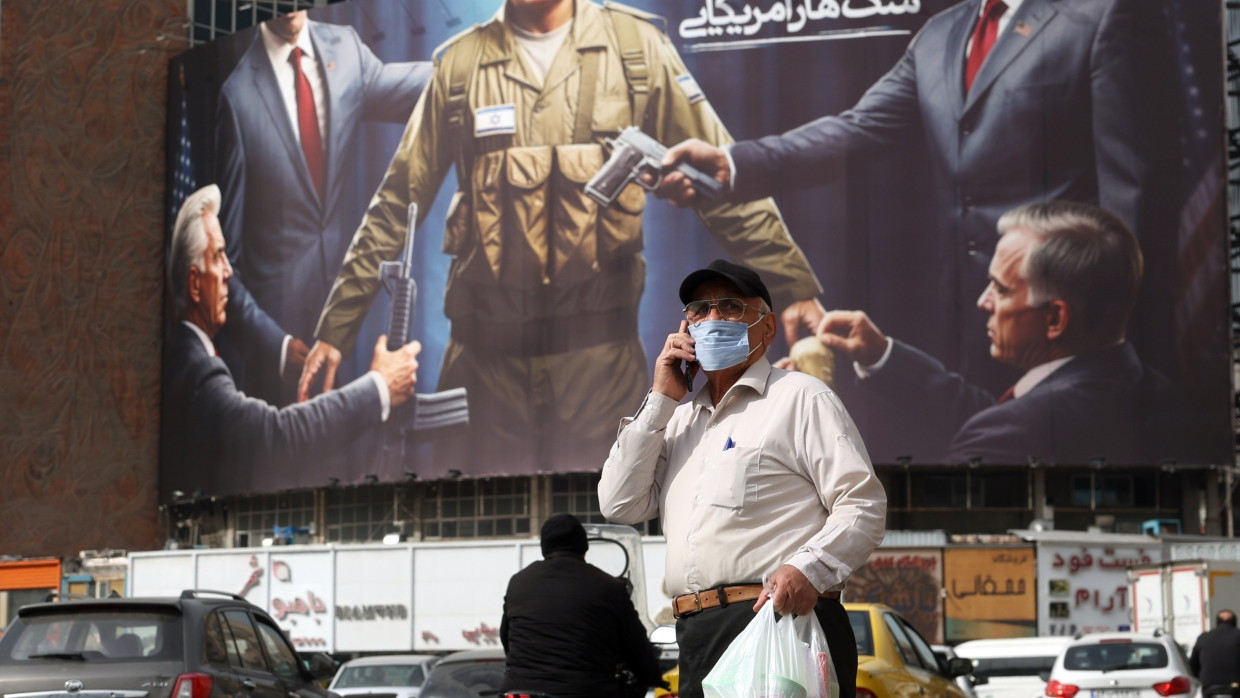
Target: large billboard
[549,309]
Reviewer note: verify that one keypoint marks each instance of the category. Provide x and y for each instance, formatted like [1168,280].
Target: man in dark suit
[1028,100]
[217,439]
[568,625]
[1216,655]
[1063,281]
[287,135]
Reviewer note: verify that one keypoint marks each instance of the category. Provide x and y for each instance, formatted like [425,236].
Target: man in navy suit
[217,439]
[1063,281]
[289,209]
[1072,99]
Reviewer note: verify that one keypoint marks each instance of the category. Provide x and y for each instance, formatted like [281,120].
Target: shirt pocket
[731,472]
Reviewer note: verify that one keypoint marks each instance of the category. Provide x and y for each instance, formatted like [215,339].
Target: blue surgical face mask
[721,344]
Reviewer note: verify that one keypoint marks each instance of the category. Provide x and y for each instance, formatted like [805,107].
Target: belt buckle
[697,606]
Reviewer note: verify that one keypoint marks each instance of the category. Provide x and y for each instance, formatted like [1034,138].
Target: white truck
[404,597]
[1181,598]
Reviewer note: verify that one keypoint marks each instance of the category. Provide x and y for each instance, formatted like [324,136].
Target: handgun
[633,154]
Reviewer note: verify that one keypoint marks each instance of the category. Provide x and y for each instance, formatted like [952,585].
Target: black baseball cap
[745,279]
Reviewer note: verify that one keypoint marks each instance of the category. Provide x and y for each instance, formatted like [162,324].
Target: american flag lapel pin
[1023,28]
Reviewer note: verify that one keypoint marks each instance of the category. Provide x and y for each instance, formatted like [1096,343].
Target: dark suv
[204,644]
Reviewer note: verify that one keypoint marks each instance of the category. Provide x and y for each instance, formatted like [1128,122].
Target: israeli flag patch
[498,120]
[690,87]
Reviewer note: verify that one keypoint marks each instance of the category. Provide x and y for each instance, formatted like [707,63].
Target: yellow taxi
[894,661]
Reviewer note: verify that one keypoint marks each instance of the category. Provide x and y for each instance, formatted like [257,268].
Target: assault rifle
[426,411]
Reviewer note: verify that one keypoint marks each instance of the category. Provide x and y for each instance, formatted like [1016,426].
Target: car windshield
[1115,656]
[464,679]
[383,675]
[93,635]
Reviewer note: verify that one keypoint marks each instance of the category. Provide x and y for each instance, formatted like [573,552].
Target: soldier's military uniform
[544,285]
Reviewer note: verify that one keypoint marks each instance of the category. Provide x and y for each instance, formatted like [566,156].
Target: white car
[394,675]
[1122,665]
[1012,667]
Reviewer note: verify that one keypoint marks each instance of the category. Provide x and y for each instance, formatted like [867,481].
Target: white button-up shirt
[775,474]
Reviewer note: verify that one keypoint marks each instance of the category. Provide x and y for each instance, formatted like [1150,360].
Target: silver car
[389,675]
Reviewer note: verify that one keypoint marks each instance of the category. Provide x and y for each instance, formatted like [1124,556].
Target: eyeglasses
[730,309]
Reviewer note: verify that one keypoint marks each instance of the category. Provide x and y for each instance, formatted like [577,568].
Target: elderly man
[1063,281]
[761,476]
[215,437]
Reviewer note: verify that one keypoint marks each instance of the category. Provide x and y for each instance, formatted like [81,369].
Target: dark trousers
[704,636]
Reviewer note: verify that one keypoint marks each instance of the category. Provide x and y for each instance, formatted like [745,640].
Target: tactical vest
[520,217]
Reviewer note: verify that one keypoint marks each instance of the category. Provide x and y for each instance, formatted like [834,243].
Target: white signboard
[1084,588]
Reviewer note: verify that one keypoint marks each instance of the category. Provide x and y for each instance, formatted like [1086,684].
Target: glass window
[928,659]
[245,640]
[860,621]
[284,661]
[94,635]
[214,644]
[903,644]
[1115,655]
[939,490]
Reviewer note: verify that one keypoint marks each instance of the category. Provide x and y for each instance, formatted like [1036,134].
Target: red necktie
[308,124]
[984,35]
[1007,395]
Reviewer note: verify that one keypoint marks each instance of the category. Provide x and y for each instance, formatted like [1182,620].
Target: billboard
[549,309]
[909,581]
[989,592]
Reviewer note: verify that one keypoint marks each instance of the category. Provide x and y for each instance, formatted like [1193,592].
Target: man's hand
[670,376]
[322,355]
[294,360]
[398,368]
[676,187]
[852,332]
[801,314]
[790,591]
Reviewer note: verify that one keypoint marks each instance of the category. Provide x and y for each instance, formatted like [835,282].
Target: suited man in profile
[1017,101]
[289,167]
[218,439]
[1062,284]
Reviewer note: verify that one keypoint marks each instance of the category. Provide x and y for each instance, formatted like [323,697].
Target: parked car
[466,674]
[1012,667]
[199,645]
[384,676]
[1122,665]
[895,660]
[965,681]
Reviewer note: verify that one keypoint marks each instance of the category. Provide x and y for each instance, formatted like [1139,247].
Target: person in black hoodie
[1216,656]
[568,627]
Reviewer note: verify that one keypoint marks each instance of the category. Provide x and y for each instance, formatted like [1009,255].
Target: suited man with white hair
[216,438]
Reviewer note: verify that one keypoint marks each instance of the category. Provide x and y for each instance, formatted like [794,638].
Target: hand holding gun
[635,154]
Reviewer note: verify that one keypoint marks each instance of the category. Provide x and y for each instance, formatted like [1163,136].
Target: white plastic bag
[823,681]
[769,659]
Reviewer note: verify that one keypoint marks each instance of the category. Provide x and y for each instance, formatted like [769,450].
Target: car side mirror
[959,666]
[321,666]
[980,679]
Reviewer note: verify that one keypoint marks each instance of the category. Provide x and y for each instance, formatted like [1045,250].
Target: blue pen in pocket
[730,443]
